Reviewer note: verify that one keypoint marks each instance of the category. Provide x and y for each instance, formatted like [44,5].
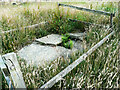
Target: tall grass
[29,14]
[99,69]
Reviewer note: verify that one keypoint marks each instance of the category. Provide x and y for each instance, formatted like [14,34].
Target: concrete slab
[36,54]
[77,46]
[53,39]
[77,35]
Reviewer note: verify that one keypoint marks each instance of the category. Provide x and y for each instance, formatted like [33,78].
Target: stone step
[53,39]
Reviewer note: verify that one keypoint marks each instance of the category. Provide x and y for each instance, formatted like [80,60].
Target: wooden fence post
[111,20]
[14,69]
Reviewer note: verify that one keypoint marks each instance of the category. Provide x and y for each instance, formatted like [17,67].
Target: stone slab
[37,54]
[53,39]
[77,35]
[77,46]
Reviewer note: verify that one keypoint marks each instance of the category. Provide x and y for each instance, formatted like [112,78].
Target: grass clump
[66,41]
[108,7]
[14,41]
[59,23]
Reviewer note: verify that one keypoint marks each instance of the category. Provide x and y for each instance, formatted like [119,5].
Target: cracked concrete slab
[53,39]
[77,46]
[37,54]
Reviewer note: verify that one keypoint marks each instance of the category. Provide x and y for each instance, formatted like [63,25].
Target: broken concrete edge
[77,34]
[45,44]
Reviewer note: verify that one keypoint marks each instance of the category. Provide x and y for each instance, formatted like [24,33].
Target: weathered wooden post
[58,5]
[111,20]
[14,69]
[5,73]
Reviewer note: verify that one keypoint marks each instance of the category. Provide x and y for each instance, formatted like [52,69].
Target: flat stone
[37,54]
[52,39]
[77,35]
[77,46]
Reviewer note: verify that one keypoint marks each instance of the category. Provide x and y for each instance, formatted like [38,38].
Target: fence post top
[113,14]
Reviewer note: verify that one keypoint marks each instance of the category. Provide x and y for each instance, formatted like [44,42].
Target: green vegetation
[100,69]
[59,23]
[66,41]
[109,7]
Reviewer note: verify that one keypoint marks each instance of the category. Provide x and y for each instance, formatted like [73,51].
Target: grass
[90,73]
[100,69]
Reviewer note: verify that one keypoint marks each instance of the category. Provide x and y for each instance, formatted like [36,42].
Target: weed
[66,41]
